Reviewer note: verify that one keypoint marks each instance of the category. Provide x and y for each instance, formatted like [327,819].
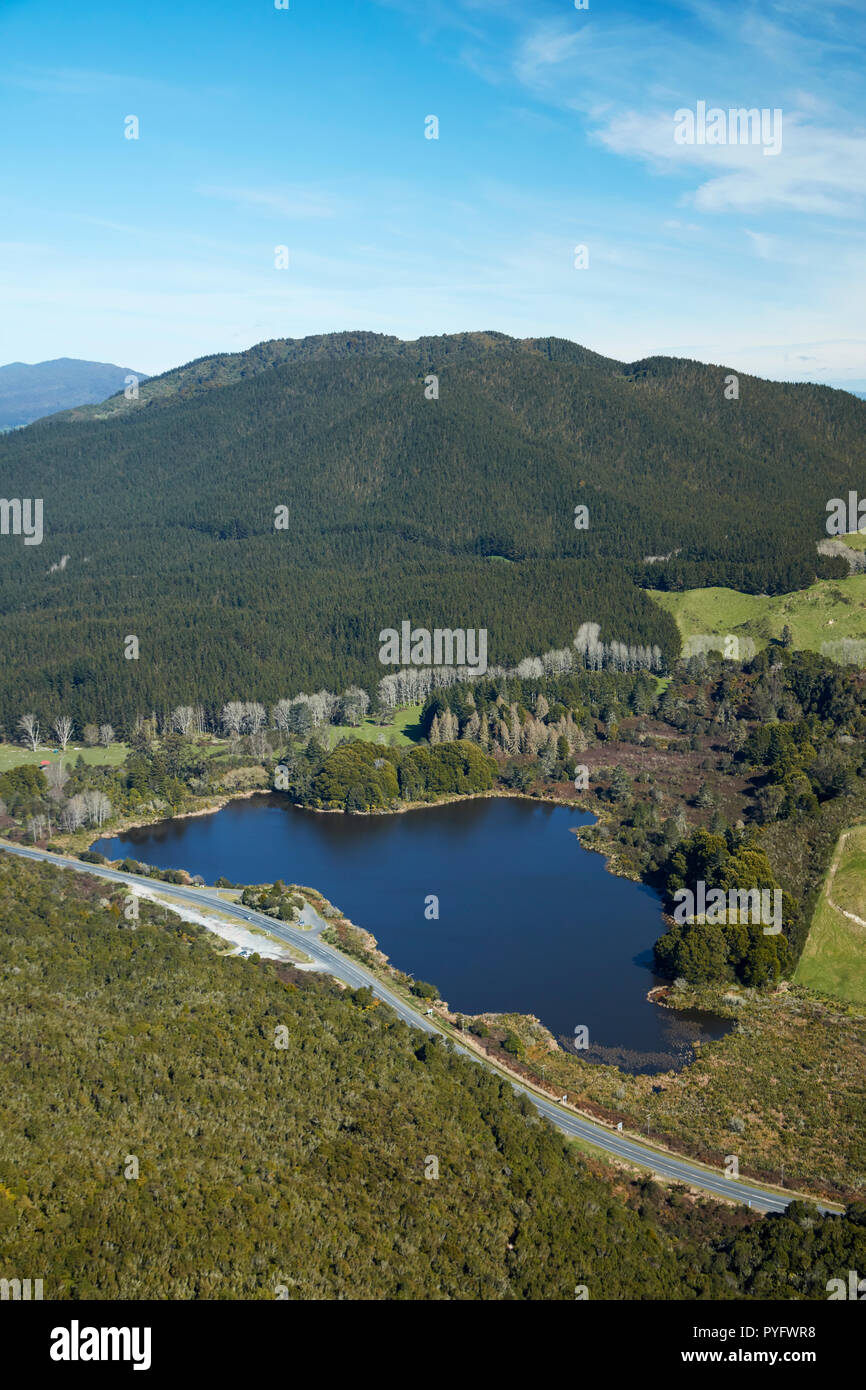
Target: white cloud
[820,170]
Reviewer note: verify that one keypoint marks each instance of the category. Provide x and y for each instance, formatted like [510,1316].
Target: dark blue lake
[529,921]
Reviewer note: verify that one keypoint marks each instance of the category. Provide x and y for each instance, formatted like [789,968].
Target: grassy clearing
[211,747]
[834,958]
[855,540]
[12,755]
[827,611]
[404,729]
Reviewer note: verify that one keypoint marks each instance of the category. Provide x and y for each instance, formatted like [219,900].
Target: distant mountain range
[257,518]
[30,391]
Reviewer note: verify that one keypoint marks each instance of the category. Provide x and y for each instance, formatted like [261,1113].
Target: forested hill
[454,512]
[29,391]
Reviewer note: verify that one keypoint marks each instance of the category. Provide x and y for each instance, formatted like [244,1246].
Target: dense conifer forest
[156,1143]
[453,510]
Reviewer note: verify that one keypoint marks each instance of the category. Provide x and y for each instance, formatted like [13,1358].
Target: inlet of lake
[529,921]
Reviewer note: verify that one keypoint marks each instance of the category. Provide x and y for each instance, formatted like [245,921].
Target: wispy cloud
[287,202]
[627,77]
[820,170]
[64,81]
[82,82]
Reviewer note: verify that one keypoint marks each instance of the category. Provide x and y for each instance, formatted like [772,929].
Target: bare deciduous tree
[280,715]
[62,727]
[57,777]
[106,735]
[260,746]
[74,813]
[29,726]
[233,717]
[255,717]
[97,806]
[354,706]
[323,706]
[183,719]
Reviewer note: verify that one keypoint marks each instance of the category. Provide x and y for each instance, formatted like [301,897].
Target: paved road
[665,1164]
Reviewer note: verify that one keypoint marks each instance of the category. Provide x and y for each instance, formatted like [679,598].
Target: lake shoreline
[495,896]
[128,824]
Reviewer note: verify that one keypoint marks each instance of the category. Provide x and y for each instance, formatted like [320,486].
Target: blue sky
[305,128]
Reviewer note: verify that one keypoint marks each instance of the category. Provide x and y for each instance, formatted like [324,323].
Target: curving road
[657,1161]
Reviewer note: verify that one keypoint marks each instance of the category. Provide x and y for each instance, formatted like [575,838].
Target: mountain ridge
[220,369]
[30,391]
[394,502]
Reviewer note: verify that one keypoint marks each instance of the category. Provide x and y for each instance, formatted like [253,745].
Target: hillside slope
[28,392]
[396,503]
[821,617]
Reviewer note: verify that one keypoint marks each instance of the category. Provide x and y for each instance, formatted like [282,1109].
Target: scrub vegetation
[157,1142]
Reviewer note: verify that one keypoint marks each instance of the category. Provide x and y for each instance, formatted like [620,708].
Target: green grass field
[827,611]
[403,731]
[855,540]
[13,755]
[834,957]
